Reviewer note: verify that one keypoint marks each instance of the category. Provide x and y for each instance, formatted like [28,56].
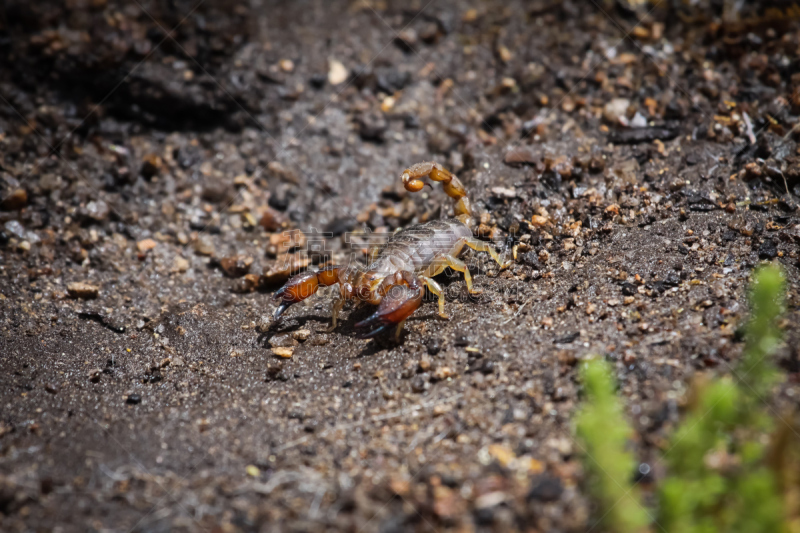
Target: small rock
[504,192]
[97,211]
[287,65]
[272,219]
[151,164]
[145,245]
[320,340]
[786,203]
[419,384]
[372,126]
[442,373]
[283,341]
[567,338]
[246,284]
[424,363]
[638,121]
[217,190]
[337,73]
[430,33]
[597,164]
[768,249]
[521,155]
[615,111]
[16,229]
[204,245]
[180,264]
[545,489]
[282,351]
[433,347]
[461,340]
[50,182]
[317,81]
[236,266]
[531,259]
[84,291]
[15,201]
[282,269]
[439,410]
[301,335]
[677,184]
[133,399]
[49,387]
[406,39]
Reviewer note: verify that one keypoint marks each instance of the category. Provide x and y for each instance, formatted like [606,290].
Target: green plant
[718,477]
[604,431]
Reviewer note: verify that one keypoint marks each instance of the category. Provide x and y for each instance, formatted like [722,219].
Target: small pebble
[180,264]
[301,334]
[145,245]
[615,111]
[133,399]
[418,384]
[284,352]
[151,164]
[84,291]
[15,201]
[97,211]
[284,340]
[337,73]
[236,266]
[204,245]
[433,347]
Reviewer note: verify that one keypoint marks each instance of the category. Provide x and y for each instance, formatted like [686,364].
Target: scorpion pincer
[403,266]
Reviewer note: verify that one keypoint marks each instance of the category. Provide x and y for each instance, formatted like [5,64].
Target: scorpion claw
[373,333]
[280,309]
[393,309]
[301,286]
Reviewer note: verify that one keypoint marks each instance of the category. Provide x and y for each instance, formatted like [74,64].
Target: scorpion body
[402,268]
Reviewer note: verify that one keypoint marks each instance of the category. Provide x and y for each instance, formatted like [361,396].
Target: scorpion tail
[451,184]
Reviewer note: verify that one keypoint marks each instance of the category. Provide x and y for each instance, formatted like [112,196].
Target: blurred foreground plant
[721,475]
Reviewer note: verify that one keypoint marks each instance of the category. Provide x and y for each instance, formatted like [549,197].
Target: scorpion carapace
[404,266]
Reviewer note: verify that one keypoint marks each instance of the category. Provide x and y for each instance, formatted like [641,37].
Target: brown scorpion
[402,267]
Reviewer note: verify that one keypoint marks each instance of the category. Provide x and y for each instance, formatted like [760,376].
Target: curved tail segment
[412,181]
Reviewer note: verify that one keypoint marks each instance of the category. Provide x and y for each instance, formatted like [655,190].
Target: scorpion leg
[460,266]
[480,246]
[402,297]
[436,290]
[337,306]
[301,286]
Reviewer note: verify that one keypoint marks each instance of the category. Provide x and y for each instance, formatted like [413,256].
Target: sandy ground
[640,163]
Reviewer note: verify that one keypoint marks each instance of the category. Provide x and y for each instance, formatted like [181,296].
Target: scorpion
[403,266]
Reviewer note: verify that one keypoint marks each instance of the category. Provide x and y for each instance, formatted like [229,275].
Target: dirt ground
[638,160]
